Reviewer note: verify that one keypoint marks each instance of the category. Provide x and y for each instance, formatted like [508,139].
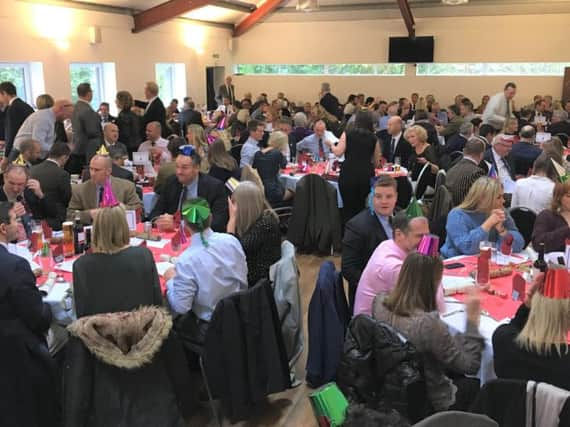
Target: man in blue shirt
[316,144]
[251,146]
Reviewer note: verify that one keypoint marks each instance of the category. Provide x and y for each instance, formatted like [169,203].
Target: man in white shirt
[155,144]
[535,192]
[499,107]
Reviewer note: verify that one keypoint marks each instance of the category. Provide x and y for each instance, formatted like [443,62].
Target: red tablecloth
[498,307]
[319,169]
[48,264]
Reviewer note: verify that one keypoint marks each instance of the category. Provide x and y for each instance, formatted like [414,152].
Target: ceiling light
[454,2]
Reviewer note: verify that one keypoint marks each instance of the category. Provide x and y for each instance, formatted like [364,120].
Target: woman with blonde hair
[257,227]
[44,101]
[481,217]
[411,308]
[115,277]
[534,346]
[269,161]
[552,226]
[196,136]
[423,162]
[222,165]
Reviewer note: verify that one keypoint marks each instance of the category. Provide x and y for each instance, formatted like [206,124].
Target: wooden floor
[291,407]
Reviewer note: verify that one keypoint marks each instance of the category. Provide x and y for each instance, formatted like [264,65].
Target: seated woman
[552,226]
[269,162]
[115,277]
[196,136]
[257,228]
[480,217]
[411,308]
[222,165]
[533,346]
[423,162]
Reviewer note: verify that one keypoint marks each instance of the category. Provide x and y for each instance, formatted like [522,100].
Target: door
[214,79]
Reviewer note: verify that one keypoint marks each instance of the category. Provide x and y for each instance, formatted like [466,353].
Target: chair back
[457,418]
[405,192]
[235,151]
[440,178]
[524,219]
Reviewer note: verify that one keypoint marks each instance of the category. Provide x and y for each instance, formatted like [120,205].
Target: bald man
[88,196]
[111,135]
[40,126]
[394,146]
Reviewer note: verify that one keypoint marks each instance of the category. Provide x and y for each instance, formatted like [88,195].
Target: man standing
[394,146]
[87,131]
[154,110]
[17,111]
[366,231]
[28,393]
[87,197]
[318,143]
[226,90]
[381,272]
[500,107]
[466,171]
[251,145]
[55,182]
[187,184]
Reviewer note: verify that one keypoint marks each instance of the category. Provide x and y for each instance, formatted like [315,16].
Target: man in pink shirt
[381,272]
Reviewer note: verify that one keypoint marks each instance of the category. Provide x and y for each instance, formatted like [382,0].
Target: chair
[405,192]
[440,178]
[235,151]
[284,214]
[456,155]
[524,219]
[457,418]
[442,204]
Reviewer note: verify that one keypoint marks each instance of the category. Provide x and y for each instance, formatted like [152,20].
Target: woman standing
[128,122]
[269,162]
[361,152]
[115,277]
[423,162]
[257,228]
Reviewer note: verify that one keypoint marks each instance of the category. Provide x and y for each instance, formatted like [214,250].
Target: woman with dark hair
[552,226]
[361,153]
[129,123]
[222,165]
[411,308]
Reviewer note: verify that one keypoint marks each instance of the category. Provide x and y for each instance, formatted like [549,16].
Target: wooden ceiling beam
[165,12]
[408,17]
[257,15]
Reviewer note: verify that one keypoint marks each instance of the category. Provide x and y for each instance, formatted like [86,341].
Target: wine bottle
[540,263]
[78,235]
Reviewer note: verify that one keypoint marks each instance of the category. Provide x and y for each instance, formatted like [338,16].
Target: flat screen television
[411,50]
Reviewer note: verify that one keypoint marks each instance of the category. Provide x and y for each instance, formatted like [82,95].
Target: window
[101,77]
[26,76]
[323,69]
[171,80]
[493,69]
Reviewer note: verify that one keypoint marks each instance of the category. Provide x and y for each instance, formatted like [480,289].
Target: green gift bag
[329,405]
[414,209]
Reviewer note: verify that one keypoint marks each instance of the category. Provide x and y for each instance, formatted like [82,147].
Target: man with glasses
[187,184]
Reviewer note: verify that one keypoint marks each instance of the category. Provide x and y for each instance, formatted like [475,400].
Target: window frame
[489,69]
[178,85]
[374,70]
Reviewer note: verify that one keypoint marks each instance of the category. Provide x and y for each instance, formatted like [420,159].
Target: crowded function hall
[297,213]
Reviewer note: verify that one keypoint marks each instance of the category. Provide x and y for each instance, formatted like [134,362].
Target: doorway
[214,79]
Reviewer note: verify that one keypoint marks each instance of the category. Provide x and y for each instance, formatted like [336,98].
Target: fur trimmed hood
[127,340]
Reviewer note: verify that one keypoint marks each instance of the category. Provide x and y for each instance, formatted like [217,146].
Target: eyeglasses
[186,150]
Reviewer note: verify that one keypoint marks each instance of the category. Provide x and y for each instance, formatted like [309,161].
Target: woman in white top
[535,192]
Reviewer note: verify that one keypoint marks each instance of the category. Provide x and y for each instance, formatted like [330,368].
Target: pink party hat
[109,199]
[429,245]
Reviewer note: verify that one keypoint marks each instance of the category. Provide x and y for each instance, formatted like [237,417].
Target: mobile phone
[454,265]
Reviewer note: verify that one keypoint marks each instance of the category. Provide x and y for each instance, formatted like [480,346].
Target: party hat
[232,184]
[20,161]
[562,176]
[102,151]
[414,209]
[429,245]
[557,283]
[109,199]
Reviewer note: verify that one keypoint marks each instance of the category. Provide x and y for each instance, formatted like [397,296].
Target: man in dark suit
[525,152]
[226,90]
[87,131]
[104,113]
[330,102]
[28,394]
[559,123]
[118,154]
[466,171]
[394,145]
[366,231]
[154,110]
[188,183]
[540,113]
[458,141]
[500,161]
[27,195]
[190,117]
[17,111]
[55,182]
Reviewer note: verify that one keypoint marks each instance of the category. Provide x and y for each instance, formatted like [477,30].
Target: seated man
[466,171]
[525,152]
[87,197]
[55,181]
[27,195]
[316,143]
[30,153]
[251,145]
[210,269]
[155,144]
[535,192]
[383,268]
[188,183]
[28,393]
[111,136]
[168,169]
[366,231]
